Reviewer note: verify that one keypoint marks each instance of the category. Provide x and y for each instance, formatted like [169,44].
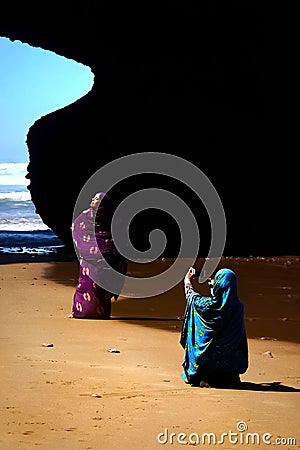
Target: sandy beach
[63,388]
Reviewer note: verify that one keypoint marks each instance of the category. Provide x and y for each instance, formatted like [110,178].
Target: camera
[202,273]
[197,273]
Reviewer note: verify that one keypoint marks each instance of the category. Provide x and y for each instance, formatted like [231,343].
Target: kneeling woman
[213,333]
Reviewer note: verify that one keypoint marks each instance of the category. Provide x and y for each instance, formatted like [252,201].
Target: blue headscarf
[213,331]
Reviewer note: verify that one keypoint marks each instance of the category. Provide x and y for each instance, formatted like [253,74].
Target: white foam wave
[23,196]
[23,225]
[13,174]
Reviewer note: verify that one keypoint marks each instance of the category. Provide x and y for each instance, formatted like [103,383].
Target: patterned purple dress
[91,235]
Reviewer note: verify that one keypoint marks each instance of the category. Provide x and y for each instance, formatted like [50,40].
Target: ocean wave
[28,239]
[23,196]
[23,224]
[13,173]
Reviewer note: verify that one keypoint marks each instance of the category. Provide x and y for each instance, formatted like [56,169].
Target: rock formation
[188,81]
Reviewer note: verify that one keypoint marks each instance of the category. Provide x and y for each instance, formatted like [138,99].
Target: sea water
[21,229]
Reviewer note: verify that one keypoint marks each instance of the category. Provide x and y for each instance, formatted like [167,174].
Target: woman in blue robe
[213,334]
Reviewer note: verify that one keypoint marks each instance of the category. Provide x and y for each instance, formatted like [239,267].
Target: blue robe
[213,333]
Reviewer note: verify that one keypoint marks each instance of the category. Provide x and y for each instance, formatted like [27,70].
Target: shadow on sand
[274,386]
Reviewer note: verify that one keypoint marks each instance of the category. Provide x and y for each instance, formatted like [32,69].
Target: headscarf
[213,328]
[104,213]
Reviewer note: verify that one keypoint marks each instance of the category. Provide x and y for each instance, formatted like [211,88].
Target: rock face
[185,81]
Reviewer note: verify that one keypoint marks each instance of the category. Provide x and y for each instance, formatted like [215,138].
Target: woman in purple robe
[91,232]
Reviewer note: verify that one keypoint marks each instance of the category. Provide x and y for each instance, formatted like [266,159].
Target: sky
[33,83]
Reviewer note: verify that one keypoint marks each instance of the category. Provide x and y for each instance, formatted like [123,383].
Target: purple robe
[95,249]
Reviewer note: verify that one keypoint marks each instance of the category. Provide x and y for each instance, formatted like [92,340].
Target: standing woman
[213,333]
[91,232]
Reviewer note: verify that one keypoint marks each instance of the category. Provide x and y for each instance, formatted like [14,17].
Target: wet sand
[62,388]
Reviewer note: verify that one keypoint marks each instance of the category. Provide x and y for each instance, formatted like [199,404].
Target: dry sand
[75,394]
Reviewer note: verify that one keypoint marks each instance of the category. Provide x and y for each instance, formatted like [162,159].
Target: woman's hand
[189,274]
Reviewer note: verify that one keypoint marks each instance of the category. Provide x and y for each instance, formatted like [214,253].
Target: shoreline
[39,254]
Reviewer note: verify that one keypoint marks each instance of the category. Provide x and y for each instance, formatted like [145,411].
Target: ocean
[22,231]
